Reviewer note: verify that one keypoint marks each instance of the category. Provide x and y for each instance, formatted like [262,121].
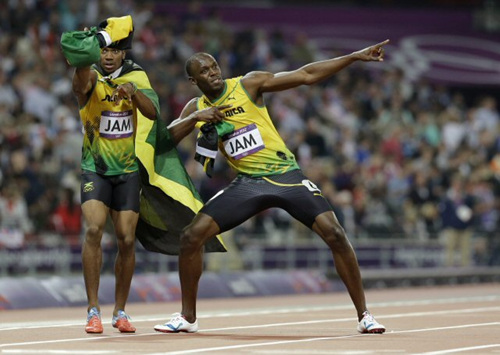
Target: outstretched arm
[260,82]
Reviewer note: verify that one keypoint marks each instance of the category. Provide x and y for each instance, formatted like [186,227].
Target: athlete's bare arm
[257,83]
[185,124]
[128,91]
[83,81]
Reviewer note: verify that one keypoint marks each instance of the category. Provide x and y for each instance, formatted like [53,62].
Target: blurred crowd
[396,158]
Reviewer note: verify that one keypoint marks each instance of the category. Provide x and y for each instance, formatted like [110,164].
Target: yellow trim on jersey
[279,183]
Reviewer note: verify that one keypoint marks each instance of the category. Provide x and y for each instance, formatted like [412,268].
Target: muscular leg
[125,223]
[346,263]
[95,214]
[193,239]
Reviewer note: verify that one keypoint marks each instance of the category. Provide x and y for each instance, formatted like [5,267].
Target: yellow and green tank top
[254,147]
[109,129]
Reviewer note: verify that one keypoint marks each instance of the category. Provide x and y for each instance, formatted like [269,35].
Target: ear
[192,80]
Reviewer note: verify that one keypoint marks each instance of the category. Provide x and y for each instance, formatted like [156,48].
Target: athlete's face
[111,59]
[207,76]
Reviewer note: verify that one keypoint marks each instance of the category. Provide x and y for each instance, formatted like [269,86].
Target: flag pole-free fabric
[169,200]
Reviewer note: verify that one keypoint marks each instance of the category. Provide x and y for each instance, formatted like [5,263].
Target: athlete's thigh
[300,197]
[126,192]
[95,213]
[125,223]
[95,187]
[235,204]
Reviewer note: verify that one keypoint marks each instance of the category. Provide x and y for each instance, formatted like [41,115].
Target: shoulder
[193,102]
[256,76]
[191,107]
[255,79]
[130,65]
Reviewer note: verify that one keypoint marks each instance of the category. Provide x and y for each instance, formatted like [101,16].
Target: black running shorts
[246,196]
[118,192]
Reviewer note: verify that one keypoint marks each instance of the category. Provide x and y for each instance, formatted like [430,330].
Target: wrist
[134,88]
[355,56]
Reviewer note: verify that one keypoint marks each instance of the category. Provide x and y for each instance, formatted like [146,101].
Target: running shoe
[368,324]
[94,325]
[121,321]
[177,324]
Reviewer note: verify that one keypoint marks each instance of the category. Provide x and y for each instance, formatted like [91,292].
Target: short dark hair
[194,58]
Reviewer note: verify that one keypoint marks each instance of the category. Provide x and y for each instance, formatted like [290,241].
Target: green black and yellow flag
[169,200]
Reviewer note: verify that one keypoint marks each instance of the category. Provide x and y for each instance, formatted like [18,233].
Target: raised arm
[83,81]
[260,82]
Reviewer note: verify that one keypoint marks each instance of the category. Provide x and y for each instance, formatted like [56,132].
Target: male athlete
[110,95]
[268,175]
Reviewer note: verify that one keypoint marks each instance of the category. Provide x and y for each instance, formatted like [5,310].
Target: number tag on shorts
[243,142]
[116,125]
[311,186]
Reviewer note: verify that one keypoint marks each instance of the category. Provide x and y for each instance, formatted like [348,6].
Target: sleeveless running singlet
[108,143]
[255,147]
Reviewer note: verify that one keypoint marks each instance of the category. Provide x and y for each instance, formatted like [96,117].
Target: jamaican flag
[169,200]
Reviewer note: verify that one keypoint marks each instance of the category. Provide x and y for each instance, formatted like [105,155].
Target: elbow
[176,138]
[150,113]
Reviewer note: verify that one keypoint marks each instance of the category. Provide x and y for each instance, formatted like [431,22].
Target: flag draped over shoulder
[169,200]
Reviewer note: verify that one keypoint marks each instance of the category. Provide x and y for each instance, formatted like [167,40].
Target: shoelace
[122,315]
[93,313]
[177,317]
[93,321]
[367,316]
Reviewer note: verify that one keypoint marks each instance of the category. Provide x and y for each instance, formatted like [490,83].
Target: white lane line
[458,350]
[264,311]
[338,320]
[242,346]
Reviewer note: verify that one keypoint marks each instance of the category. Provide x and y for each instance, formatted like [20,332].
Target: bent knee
[336,237]
[192,240]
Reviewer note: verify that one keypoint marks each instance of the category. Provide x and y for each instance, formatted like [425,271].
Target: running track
[462,319]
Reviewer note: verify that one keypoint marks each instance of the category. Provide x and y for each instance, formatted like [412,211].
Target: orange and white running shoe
[94,325]
[121,321]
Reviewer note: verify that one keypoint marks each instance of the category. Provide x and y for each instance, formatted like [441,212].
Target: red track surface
[439,320]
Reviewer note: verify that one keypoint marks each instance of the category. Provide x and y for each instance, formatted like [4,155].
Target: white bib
[243,142]
[116,125]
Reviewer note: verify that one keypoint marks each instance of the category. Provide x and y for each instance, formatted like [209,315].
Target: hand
[123,91]
[372,53]
[212,114]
